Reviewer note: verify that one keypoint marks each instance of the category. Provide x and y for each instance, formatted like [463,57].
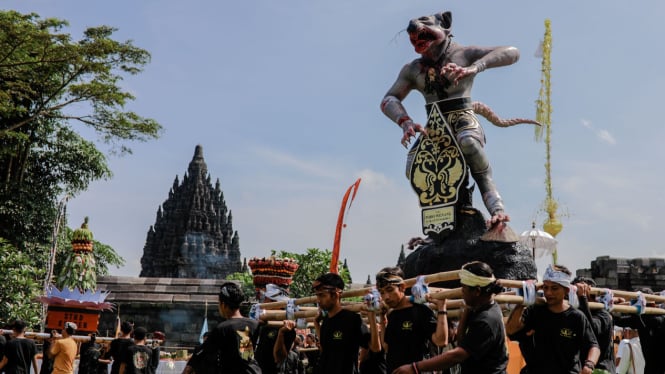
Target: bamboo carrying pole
[432,278]
[455,306]
[78,338]
[453,295]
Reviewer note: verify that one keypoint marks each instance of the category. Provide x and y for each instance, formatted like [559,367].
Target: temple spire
[193,236]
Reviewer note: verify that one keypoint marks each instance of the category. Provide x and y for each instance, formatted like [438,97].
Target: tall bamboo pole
[552,225]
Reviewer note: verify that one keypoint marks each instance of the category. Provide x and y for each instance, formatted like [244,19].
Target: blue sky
[284,98]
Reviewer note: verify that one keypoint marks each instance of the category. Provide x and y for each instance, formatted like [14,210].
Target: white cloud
[373,180]
[289,160]
[606,137]
[603,135]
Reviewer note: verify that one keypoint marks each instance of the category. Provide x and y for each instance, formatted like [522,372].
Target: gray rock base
[508,260]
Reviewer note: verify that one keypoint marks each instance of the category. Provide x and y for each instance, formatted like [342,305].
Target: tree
[44,72]
[48,84]
[21,285]
[245,280]
[312,263]
[50,87]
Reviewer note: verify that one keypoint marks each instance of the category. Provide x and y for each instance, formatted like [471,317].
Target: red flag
[340,224]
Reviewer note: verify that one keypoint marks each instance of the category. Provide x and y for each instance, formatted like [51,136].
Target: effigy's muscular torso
[432,84]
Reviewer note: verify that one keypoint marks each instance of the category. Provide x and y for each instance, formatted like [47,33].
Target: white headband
[467,278]
[557,277]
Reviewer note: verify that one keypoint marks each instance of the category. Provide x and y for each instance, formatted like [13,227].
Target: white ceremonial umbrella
[539,241]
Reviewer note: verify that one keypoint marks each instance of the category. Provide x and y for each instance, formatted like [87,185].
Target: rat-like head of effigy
[429,32]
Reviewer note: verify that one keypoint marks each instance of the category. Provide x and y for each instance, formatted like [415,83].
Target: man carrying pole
[409,326]
[341,331]
[561,332]
[482,346]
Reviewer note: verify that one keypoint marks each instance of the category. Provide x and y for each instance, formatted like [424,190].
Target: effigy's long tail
[489,114]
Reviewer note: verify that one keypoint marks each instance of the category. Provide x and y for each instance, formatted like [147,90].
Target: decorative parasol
[539,241]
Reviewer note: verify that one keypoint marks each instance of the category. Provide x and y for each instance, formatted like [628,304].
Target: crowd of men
[403,336]
[406,336]
[127,354]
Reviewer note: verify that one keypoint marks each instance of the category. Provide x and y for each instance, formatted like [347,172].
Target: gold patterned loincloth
[458,113]
[436,166]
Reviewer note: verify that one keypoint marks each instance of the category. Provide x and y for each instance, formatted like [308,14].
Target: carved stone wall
[176,307]
[627,274]
[193,233]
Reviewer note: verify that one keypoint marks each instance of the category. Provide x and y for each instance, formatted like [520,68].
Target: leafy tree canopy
[49,85]
[245,280]
[313,263]
[43,72]
[54,89]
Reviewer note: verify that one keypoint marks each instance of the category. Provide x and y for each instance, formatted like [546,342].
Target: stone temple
[193,234]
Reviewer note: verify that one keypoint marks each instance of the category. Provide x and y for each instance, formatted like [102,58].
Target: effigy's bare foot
[499,231]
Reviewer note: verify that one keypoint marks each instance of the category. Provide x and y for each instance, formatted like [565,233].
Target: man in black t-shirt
[89,354]
[19,352]
[119,346]
[139,358]
[651,329]
[286,356]
[482,346]
[230,346]
[265,345]
[341,332]
[47,362]
[408,326]
[601,324]
[561,333]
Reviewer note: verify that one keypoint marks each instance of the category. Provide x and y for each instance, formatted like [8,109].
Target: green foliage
[105,257]
[245,279]
[21,284]
[313,263]
[43,72]
[50,83]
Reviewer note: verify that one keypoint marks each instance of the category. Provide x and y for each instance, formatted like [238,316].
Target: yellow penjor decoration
[552,225]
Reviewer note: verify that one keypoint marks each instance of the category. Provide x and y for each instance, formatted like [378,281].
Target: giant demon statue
[444,75]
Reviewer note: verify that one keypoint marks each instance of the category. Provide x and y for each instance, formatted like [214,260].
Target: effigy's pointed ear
[446,19]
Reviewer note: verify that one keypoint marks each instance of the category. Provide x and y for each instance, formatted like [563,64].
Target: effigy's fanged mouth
[422,40]
[425,35]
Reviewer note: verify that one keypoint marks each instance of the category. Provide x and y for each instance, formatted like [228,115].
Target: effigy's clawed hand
[454,73]
[410,129]
[498,221]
